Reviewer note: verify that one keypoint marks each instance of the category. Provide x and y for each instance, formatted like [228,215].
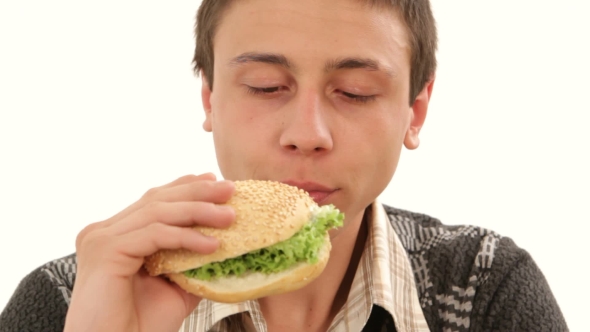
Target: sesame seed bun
[266,213]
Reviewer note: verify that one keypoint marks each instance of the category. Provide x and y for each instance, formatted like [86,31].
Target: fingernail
[225,183]
[227,208]
[211,239]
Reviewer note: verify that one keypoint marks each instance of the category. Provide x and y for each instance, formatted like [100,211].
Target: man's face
[312,93]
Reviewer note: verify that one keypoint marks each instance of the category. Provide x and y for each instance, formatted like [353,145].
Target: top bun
[267,212]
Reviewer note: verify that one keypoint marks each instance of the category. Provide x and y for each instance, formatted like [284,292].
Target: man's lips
[319,196]
[318,192]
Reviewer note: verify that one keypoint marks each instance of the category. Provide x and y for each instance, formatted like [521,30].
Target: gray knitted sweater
[468,279]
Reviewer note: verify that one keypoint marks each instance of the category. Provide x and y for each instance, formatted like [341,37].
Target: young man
[321,94]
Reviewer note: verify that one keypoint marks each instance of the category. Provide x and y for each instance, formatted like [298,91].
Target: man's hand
[112,291]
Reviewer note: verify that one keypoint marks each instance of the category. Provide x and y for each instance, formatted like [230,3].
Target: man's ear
[206,100]
[418,116]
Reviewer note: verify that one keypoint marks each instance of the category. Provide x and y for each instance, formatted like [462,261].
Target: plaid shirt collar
[384,278]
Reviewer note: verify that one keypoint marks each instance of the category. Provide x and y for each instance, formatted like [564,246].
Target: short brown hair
[417,16]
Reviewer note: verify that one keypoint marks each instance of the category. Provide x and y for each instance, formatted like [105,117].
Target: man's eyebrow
[270,58]
[362,63]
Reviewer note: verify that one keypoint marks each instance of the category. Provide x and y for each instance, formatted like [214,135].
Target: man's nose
[305,128]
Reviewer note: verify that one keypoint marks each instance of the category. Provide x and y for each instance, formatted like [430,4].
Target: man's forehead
[347,35]
[306,12]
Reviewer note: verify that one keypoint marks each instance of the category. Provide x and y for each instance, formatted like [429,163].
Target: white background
[98,104]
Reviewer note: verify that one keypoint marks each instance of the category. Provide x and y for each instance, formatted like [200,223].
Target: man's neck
[317,304]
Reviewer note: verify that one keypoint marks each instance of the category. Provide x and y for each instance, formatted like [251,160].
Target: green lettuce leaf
[303,246]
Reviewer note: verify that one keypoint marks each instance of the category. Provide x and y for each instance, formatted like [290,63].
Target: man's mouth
[318,192]
[319,196]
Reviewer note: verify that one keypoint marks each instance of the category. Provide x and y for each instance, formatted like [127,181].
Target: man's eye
[263,91]
[358,98]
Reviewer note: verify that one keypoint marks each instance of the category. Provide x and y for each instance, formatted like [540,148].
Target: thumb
[190,301]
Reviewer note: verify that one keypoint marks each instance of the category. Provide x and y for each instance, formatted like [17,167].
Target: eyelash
[270,90]
[357,98]
[263,91]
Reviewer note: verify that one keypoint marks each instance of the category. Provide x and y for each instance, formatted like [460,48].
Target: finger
[190,301]
[216,193]
[153,192]
[150,286]
[148,240]
[87,230]
[181,214]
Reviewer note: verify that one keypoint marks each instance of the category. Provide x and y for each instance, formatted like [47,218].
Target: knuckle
[86,231]
[153,206]
[92,240]
[156,228]
[151,193]
[153,212]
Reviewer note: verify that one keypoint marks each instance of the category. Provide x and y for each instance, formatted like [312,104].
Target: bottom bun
[251,286]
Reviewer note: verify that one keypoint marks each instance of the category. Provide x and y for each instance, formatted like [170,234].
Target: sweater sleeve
[36,305]
[522,300]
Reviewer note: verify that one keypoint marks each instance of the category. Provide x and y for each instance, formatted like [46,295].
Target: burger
[278,243]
